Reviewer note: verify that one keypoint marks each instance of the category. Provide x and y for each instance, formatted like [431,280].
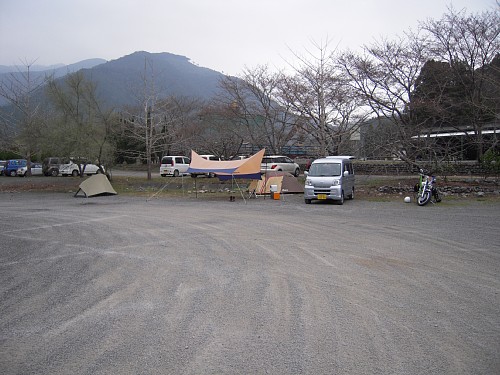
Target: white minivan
[330,178]
[209,174]
[174,166]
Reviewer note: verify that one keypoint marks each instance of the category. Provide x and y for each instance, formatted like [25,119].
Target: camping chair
[252,194]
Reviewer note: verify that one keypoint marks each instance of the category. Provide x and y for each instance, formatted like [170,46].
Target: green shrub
[491,162]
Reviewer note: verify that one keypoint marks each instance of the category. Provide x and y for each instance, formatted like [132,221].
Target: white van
[174,166]
[330,178]
[210,174]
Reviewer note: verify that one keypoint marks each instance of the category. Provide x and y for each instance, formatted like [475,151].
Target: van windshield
[324,169]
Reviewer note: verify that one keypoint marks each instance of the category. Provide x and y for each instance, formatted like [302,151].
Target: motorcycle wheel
[422,200]
[437,196]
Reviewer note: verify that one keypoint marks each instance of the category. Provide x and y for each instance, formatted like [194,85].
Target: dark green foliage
[445,95]
[491,161]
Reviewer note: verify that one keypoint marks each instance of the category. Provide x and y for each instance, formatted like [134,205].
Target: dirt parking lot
[125,285]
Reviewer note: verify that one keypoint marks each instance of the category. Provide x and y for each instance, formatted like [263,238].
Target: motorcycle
[426,189]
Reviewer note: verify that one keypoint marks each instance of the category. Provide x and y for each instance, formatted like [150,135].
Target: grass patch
[367,187]
[176,186]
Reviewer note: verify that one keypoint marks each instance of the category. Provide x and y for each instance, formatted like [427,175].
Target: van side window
[179,161]
[348,168]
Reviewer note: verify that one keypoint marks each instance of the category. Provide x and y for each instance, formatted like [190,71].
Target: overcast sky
[224,35]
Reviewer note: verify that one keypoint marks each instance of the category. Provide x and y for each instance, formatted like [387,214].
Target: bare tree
[145,126]
[384,77]
[146,122]
[156,123]
[217,132]
[440,76]
[468,44]
[23,120]
[320,96]
[252,102]
[182,118]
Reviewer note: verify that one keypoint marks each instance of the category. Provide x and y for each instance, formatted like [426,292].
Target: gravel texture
[124,285]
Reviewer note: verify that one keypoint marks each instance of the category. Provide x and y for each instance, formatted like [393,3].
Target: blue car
[13,165]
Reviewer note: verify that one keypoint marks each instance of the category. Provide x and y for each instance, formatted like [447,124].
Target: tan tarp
[95,185]
[244,168]
[285,182]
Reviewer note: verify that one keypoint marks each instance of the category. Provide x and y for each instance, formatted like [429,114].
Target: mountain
[34,68]
[58,70]
[39,72]
[120,81]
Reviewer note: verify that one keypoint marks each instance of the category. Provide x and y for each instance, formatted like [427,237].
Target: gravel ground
[124,285]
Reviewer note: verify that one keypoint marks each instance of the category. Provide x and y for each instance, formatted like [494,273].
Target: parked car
[279,163]
[50,166]
[210,174]
[239,157]
[71,169]
[174,165]
[330,178]
[3,163]
[308,164]
[11,166]
[36,170]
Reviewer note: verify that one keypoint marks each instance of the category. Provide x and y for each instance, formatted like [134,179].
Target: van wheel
[74,173]
[297,172]
[13,173]
[54,172]
[308,201]
[176,173]
[351,196]
[341,201]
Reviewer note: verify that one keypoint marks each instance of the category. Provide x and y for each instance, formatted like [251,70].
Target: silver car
[71,169]
[36,170]
[279,163]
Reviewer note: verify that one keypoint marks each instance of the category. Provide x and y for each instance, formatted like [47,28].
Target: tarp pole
[265,182]
[241,193]
[158,192]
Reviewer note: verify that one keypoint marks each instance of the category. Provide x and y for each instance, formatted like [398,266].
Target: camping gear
[274,192]
[285,182]
[95,186]
[228,169]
